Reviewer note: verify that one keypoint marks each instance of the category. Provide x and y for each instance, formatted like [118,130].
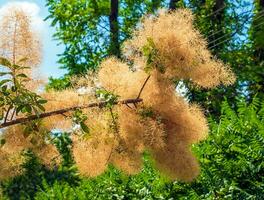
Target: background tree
[83,27]
[114,48]
[256,85]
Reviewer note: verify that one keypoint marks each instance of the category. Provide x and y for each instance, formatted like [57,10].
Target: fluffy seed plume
[91,155]
[165,124]
[170,43]
[116,76]
[17,139]
[18,43]
[10,165]
[165,47]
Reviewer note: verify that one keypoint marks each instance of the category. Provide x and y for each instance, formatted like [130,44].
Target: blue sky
[48,67]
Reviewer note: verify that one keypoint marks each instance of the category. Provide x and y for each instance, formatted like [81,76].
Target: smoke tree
[135,109]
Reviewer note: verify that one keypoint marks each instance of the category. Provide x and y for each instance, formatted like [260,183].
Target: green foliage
[79,118]
[113,184]
[59,84]
[63,143]
[83,27]
[146,112]
[109,97]
[25,186]
[79,30]
[232,156]
[14,95]
[151,53]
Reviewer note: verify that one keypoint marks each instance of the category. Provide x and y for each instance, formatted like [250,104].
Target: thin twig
[114,121]
[128,106]
[7,113]
[116,133]
[13,114]
[64,115]
[65,110]
[142,88]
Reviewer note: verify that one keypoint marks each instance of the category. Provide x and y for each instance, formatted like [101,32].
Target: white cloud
[31,9]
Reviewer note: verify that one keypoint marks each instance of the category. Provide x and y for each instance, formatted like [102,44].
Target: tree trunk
[259,46]
[258,86]
[218,10]
[217,17]
[114,48]
[261,4]
[155,5]
[173,3]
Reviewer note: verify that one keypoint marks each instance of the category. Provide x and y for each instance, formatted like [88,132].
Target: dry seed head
[181,50]
[18,43]
[97,121]
[174,122]
[48,155]
[91,155]
[129,162]
[60,122]
[62,99]
[15,140]
[154,134]
[115,76]
[131,129]
[177,162]
[10,164]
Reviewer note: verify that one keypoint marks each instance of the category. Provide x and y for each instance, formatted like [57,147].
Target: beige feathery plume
[180,50]
[92,155]
[10,164]
[18,43]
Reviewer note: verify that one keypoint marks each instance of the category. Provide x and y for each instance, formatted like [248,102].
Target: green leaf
[22,75]
[42,101]
[4,81]
[4,73]
[21,67]
[41,107]
[4,88]
[27,108]
[2,142]
[84,127]
[1,115]
[19,108]
[23,59]
[14,88]
[36,111]
[4,62]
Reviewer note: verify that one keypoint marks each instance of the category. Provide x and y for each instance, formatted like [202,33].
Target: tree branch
[65,110]
[142,88]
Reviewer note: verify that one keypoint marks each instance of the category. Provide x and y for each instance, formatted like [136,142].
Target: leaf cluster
[14,95]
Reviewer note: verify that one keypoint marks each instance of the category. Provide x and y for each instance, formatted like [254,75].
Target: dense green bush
[231,161]
[232,157]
